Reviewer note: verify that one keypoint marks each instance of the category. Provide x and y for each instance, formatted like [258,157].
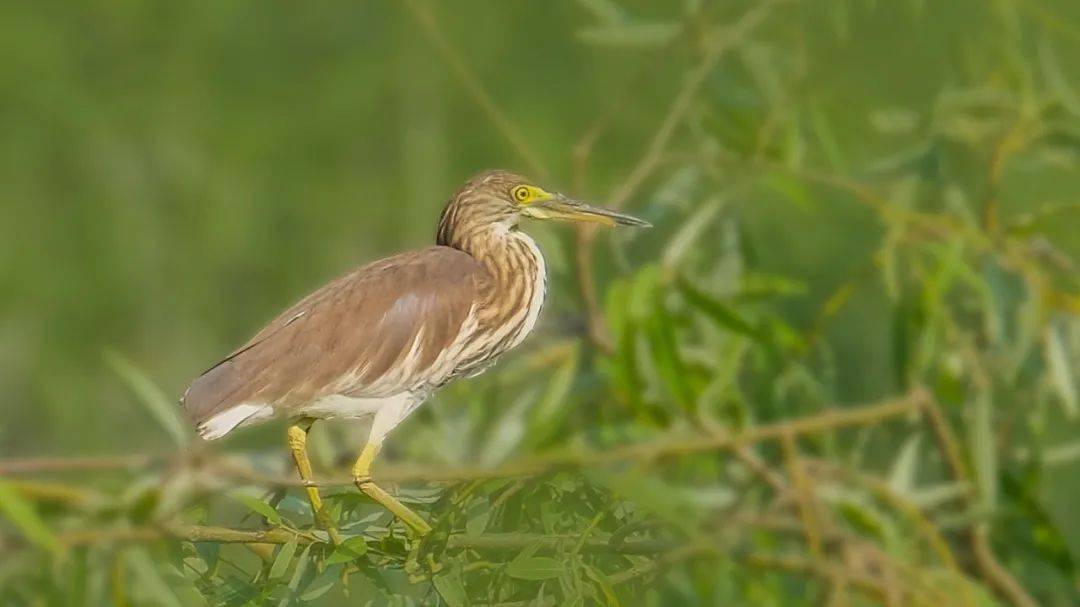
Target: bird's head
[499,199]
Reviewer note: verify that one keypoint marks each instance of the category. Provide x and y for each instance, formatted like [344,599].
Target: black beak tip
[634,222]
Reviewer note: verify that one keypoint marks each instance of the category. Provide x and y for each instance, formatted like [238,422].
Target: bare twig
[189,533]
[74,464]
[492,542]
[714,51]
[812,567]
[882,490]
[674,557]
[55,492]
[653,156]
[979,536]
[804,495]
[673,446]
[581,155]
[422,12]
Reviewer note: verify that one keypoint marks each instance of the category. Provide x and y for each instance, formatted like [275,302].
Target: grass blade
[151,396]
[22,514]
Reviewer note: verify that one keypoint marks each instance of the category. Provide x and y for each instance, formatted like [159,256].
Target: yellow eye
[520,193]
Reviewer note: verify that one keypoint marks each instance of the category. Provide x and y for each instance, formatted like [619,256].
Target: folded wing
[376,332]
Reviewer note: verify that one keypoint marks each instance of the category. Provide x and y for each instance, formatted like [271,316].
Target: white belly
[348,407]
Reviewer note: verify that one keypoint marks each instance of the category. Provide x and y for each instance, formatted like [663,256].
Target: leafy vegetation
[842,369]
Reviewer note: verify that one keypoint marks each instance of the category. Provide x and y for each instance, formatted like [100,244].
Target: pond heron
[379,340]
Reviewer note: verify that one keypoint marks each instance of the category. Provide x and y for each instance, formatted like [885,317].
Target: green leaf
[451,588]
[478,513]
[349,550]
[840,16]
[902,477]
[757,286]
[604,585]
[827,138]
[686,238]
[605,11]
[260,507]
[655,495]
[555,403]
[302,565]
[534,568]
[209,553]
[1060,373]
[909,323]
[723,315]
[160,407]
[933,496]
[22,514]
[284,558]
[1056,79]
[983,454]
[149,582]
[629,35]
[862,518]
[791,188]
[510,429]
[322,584]
[671,367]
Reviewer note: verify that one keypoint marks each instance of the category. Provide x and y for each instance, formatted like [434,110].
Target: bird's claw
[412,564]
[421,573]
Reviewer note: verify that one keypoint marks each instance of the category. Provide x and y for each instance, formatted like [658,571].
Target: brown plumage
[362,323]
[377,341]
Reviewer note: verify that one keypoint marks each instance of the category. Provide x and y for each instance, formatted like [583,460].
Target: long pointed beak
[560,207]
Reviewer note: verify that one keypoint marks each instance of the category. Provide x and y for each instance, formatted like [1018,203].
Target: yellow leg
[362,477]
[298,445]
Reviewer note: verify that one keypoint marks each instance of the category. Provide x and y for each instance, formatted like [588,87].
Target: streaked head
[500,198]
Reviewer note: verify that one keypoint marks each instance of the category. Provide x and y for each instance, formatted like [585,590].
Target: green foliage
[862,208]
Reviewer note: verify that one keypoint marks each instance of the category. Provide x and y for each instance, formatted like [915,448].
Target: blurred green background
[174,174]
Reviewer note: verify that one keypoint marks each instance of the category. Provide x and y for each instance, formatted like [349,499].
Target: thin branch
[56,493]
[979,536]
[190,533]
[886,493]
[551,543]
[804,495]
[653,156]
[675,557]
[812,567]
[422,12]
[671,446]
[994,571]
[491,542]
[946,441]
[581,155]
[716,49]
[75,464]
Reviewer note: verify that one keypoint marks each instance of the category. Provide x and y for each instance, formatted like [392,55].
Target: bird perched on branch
[379,340]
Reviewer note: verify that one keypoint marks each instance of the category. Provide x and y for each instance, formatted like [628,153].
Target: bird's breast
[510,311]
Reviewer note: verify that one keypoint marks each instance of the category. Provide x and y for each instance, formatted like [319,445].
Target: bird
[378,341]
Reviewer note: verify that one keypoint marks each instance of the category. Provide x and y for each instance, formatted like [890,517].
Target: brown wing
[356,327]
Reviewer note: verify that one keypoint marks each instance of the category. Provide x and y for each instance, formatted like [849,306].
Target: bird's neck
[519,280]
[510,256]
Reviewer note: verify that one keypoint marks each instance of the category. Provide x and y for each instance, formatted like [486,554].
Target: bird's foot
[421,565]
[325,521]
[412,520]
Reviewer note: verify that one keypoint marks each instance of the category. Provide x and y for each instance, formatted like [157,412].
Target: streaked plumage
[387,333]
[380,339]
[412,305]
